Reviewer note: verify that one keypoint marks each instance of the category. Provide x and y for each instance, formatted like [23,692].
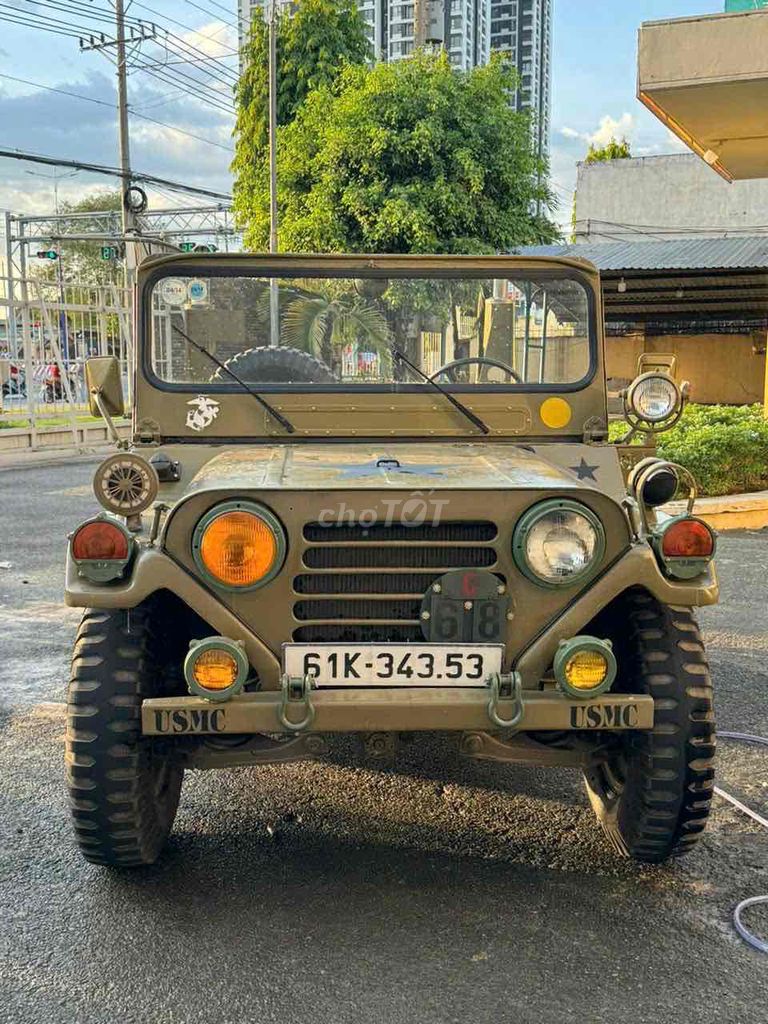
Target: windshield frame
[373,267]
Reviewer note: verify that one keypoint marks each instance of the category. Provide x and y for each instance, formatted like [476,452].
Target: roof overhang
[706,78]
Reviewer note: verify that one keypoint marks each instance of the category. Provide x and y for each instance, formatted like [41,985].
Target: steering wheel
[450,368]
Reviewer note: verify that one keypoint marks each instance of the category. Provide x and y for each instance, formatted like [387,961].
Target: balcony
[706,78]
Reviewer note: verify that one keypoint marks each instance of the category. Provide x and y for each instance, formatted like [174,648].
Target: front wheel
[652,794]
[123,789]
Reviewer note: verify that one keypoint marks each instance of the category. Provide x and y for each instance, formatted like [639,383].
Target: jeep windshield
[340,333]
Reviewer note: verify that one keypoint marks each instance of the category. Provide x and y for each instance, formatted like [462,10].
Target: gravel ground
[438,891]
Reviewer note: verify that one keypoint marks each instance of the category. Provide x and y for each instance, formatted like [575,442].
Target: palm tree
[324,323]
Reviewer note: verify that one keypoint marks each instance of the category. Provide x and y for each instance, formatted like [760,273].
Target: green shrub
[724,446]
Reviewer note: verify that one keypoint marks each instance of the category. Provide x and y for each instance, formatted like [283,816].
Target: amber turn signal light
[100,540]
[688,538]
[102,549]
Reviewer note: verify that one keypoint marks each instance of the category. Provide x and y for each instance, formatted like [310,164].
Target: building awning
[705,281]
[706,78]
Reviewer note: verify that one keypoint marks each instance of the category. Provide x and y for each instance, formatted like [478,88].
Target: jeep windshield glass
[335,333]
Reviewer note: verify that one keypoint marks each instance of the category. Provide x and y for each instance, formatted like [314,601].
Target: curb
[40,459]
[730,512]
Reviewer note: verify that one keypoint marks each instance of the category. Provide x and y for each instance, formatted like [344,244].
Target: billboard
[744,5]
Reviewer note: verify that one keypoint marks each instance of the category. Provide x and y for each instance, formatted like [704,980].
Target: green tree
[312,46]
[412,156]
[612,151]
[82,260]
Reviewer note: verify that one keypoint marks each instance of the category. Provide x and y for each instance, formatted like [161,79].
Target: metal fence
[48,328]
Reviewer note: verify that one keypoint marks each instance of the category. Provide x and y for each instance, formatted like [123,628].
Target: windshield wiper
[286,424]
[400,357]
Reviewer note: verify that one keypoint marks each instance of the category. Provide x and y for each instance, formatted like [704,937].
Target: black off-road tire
[123,789]
[653,798]
[277,365]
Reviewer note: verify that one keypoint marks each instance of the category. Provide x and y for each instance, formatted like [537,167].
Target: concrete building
[665,197]
[461,26]
[705,300]
[523,28]
[396,28]
[245,9]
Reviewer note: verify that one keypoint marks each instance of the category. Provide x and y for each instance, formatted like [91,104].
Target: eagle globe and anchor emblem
[204,412]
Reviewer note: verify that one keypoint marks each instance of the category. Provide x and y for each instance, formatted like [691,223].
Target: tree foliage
[312,46]
[81,261]
[614,150]
[412,156]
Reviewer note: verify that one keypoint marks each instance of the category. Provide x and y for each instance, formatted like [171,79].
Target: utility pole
[274,309]
[101,42]
[129,219]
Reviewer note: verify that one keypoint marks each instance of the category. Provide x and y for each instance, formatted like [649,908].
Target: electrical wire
[113,106]
[217,17]
[752,901]
[113,172]
[208,100]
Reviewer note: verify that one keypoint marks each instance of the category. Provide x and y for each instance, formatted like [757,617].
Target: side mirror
[105,389]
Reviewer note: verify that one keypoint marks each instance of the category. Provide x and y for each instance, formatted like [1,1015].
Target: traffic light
[47,254]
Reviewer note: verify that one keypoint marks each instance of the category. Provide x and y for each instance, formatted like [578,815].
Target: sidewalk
[25,459]
[731,512]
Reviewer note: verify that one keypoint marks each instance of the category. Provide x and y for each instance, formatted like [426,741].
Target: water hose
[744,933]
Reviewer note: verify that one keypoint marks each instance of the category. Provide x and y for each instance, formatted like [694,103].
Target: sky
[594,83]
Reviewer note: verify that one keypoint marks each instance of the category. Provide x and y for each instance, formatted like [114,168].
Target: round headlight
[239,545]
[654,397]
[558,543]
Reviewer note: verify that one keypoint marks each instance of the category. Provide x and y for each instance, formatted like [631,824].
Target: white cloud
[625,127]
[610,128]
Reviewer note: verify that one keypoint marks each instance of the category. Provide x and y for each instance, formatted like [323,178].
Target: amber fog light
[215,668]
[585,666]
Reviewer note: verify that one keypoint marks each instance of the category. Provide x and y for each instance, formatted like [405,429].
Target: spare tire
[277,365]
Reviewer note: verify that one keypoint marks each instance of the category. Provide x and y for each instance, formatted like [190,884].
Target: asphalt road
[443,891]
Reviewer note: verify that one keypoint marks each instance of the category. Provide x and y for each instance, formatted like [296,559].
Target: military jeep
[375,496]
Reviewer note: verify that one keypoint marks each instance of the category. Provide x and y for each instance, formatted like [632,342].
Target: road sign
[203,247]
[187,246]
[745,5]
[47,254]
[108,252]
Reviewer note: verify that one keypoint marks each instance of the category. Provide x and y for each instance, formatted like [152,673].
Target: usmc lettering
[604,716]
[193,720]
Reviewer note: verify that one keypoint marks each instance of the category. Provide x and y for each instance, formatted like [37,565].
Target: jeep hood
[326,467]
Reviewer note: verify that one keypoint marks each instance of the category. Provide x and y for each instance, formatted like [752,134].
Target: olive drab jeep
[375,495]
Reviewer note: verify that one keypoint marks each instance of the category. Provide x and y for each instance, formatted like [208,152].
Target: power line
[211,14]
[179,24]
[113,106]
[167,79]
[113,172]
[15,20]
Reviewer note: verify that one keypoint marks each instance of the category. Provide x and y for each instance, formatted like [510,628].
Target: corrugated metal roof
[748,252]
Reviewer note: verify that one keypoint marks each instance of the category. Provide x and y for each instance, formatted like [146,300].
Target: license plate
[393,664]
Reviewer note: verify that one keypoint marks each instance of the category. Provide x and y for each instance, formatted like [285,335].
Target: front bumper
[391,710]
[154,570]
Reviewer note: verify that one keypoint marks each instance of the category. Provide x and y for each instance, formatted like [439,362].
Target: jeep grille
[365,584]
